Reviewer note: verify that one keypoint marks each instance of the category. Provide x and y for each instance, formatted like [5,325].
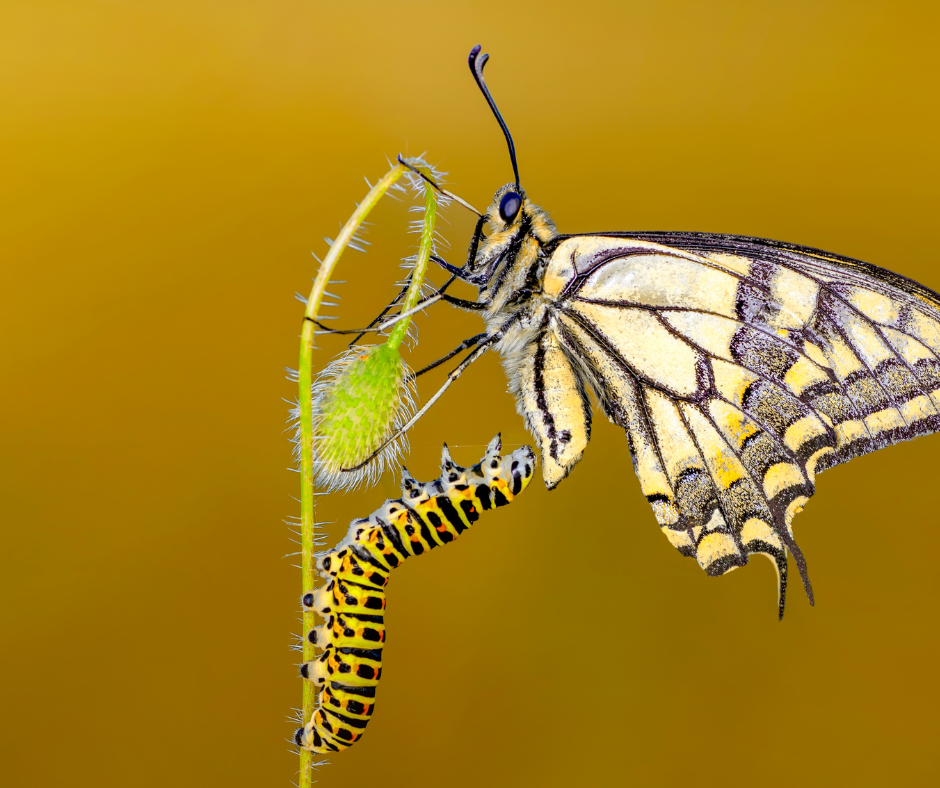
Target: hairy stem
[421,266]
[305,380]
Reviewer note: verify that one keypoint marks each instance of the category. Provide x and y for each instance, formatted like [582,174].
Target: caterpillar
[352,602]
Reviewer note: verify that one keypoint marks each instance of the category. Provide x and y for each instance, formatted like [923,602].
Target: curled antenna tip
[477,62]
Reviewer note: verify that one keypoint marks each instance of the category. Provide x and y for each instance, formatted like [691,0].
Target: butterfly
[738,367]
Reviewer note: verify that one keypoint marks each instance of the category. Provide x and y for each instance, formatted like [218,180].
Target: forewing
[738,377]
[877,332]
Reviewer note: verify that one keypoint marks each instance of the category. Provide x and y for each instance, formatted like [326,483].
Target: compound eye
[509,206]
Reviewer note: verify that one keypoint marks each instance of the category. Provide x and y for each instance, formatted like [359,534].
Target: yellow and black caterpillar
[352,602]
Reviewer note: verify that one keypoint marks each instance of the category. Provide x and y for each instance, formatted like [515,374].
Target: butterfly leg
[455,373]
[456,273]
[437,295]
[384,312]
[453,270]
[464,271]
[467,343]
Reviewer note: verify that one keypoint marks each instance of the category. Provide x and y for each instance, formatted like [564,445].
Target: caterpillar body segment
[352,602]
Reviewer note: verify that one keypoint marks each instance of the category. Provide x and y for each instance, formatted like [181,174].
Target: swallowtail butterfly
[738,367]
[357,569]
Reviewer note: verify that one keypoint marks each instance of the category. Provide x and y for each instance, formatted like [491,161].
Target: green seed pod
[359,401]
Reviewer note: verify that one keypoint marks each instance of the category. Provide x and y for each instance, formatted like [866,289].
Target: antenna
[476,67]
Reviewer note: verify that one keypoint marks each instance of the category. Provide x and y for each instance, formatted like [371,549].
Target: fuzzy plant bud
[360,400]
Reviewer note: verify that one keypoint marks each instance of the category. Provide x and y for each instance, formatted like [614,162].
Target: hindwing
[739,369]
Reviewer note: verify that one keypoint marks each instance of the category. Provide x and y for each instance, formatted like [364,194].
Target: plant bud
[359,401]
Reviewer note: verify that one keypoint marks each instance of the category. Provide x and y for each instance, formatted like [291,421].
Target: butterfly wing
[877,332]
[740,368]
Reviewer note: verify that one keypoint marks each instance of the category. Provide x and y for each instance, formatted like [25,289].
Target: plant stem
[421,266]
[305,380]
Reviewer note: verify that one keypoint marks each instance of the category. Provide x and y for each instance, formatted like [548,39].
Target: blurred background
[167,169]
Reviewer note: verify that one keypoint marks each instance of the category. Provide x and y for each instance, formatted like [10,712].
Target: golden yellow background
[166,167]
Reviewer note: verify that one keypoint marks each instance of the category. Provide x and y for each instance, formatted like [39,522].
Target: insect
[352,602]
[738,367]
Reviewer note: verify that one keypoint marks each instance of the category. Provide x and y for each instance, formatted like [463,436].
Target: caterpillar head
[521,468]
[510,475]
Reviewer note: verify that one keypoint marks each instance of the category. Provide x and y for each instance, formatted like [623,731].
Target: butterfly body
[737,367]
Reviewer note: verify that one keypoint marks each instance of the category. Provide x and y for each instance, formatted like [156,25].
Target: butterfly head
[512,217]
[515,224]
[509,204]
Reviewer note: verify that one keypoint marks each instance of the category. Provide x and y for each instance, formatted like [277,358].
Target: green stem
[420,269]
[305,381]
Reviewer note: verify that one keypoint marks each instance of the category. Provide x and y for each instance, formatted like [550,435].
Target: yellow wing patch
[795,296]
[661,280]
[712,333]
[641,340]
[875,306]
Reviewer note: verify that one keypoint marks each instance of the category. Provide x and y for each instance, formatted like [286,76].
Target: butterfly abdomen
[353,600]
